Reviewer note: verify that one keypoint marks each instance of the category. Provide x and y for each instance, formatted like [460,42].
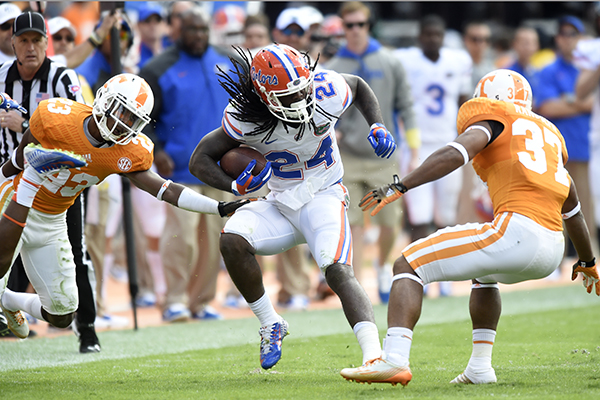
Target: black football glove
[228,208]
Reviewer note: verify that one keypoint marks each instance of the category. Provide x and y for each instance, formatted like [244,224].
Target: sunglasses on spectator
[68,38]
[6,26]
[479,39]
[289,31]
[351,25]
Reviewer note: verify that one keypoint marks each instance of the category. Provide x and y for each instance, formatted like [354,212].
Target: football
[235,161]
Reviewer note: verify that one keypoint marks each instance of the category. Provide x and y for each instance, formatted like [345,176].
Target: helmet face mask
[505,85]
[122,108]
[285,82]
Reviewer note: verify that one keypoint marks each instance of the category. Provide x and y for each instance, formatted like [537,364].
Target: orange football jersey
[524,166]
[58,124]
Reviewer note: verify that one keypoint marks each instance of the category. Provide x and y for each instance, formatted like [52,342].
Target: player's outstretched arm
[439,164]
[181,196]
[203,162]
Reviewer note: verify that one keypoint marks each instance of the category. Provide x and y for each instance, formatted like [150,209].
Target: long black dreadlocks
[249,105]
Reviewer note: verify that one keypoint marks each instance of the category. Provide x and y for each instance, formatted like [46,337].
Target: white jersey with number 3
[436,87]
[301,167]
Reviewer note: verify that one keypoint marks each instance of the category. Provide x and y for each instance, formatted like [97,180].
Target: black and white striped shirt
[51,80]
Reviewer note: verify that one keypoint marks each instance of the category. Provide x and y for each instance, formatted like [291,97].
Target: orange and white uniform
[523,168]
[44,245]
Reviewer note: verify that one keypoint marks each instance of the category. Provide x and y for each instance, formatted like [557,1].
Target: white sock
[28,187]
[156,268]
[368,339]
[396,346]
[28,302]
[264,311]
[483,343]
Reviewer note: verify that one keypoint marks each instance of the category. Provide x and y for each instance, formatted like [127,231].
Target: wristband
[587,264]
[163,188]
[95,40]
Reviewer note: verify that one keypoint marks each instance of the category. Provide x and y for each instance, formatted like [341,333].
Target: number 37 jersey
[315,158]
[523,167]
[58,124]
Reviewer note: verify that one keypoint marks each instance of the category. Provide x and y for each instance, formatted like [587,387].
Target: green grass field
[548,347]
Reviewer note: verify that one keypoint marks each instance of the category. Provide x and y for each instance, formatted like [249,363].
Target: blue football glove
[6,103]
[248,183]
[381,140]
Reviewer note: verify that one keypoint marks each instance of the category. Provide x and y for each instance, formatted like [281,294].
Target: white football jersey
[301,168]
[436,87]
[587,56]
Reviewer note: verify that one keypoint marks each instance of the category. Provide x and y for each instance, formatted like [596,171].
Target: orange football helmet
[505,85]
[278,71]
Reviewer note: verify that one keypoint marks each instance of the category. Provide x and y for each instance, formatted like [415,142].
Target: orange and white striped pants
[511,249]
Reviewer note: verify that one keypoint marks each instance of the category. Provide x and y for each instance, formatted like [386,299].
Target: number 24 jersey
[316,154]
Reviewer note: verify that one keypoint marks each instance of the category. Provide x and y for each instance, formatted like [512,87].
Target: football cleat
[88,340]
[476,378]
[51,160]
[270,343]
[16,321]
[378,370]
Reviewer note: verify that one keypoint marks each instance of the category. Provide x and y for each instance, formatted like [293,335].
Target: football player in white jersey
[285,110]
[587,58]
[440,80]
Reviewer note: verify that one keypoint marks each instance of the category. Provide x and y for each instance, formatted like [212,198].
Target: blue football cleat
[270,343]
[51,160]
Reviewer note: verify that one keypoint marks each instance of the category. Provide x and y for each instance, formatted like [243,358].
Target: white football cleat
[469,377]
[16,322]
[378,370]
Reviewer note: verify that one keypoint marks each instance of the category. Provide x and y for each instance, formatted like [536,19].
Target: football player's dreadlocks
[248,104]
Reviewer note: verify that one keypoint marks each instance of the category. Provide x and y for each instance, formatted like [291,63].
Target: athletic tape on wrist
[572,213]
[407,276]
[163,189]
[462,150]
[485,286]
[192,201]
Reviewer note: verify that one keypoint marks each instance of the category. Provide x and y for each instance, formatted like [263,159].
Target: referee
[29,79]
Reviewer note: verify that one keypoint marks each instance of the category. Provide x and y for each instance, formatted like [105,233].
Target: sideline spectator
[366,57]
[8,13]
[555,99]
[189,104]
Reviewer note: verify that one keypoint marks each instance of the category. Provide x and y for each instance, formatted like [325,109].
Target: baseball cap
[149,10]
[292,16]
[57,23]
[574,21]
[29,22]
[8,11]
